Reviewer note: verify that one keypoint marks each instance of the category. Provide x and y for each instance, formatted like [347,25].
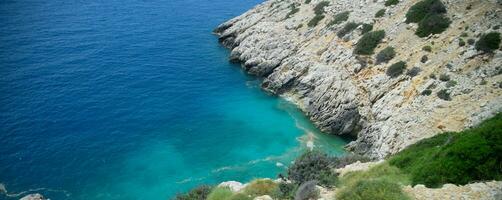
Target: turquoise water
[133,99]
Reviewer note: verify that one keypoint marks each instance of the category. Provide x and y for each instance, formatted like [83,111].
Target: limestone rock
[33,197]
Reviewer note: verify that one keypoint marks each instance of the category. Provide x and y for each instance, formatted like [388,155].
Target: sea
[134,99]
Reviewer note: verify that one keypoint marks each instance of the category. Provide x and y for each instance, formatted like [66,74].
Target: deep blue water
[133,99]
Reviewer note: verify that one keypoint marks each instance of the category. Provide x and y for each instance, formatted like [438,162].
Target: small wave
[3,190]
[190,179]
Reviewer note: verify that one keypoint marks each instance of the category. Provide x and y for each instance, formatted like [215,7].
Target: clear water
[133,99]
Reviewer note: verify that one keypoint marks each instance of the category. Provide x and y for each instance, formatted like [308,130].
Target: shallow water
[133,99]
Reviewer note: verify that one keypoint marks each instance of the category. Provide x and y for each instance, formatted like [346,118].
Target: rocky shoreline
[350,95]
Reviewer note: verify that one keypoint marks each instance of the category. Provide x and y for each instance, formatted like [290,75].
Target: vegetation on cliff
[430,16]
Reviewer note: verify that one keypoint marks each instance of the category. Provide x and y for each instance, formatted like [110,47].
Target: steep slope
[348,94]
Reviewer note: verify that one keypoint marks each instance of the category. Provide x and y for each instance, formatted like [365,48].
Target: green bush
[444,77]
[372,189]
[319,8]
[310,166]
[366,28]
[339,18]
[315,20]
[307,1]
[451,83]
[293,11]
[285,190]
[444,95]
[307,191]
[420,10]
[426,92]
[240,196]
[413,72]
[220,193]
[455,157]
[380,13]
[461,42]
[396,69]
[369,42]
[198,193]
[432,24]
[464,34]
[427,48]
[470,41]
[385,55]
[391,2]
[260,187]
[488,42]
[349,27]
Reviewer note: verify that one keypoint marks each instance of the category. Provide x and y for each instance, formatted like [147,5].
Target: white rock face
[233,185]
[264,197]
[348,94]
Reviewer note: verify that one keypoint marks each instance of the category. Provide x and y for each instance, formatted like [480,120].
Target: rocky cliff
[348,94]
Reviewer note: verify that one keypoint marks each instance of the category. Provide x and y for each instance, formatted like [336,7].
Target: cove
[134,99]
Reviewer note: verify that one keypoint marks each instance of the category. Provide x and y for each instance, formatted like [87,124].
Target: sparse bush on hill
[285,190]
[426,92]
[369,42]
[470,41]
[420,10]
[444,95]
[220,193]
[293,10]
[391,2]
[444,77]
[396,69]
[432,24]
[366,28]
[260,187]
[427,48]
[455,157]
[307,1]
[314,21]
[429,14]
[413,72]
[310,166]
[349,27]
[198,193]
[374,190]
[319,8]
[339,18]
[488,42]
[461,42]
[380,13]
[385,55]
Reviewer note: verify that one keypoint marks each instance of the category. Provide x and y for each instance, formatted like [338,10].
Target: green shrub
[307,191]
[420,10]
[315,20]
[366,28]
[220,193]
[464,34]
[427,48]
[380,13]
[444,77]
[385,55]
[349,27]
[432,24]
[307,1]
[339,18]
[488,42]
[309,166]
[198,193]
[391,2]
[496,27]
[396,69]
[455,157]
[319,8]
[426,92]
[470,41]
[240,196]
[369,42]
[444,95]
[461,42]
[293,10]
[285,190]
[260,187]
[372,189]
[424,59]
[413,72]
[451,83]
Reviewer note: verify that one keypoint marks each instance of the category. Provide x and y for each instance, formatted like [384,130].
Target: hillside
[433,79]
